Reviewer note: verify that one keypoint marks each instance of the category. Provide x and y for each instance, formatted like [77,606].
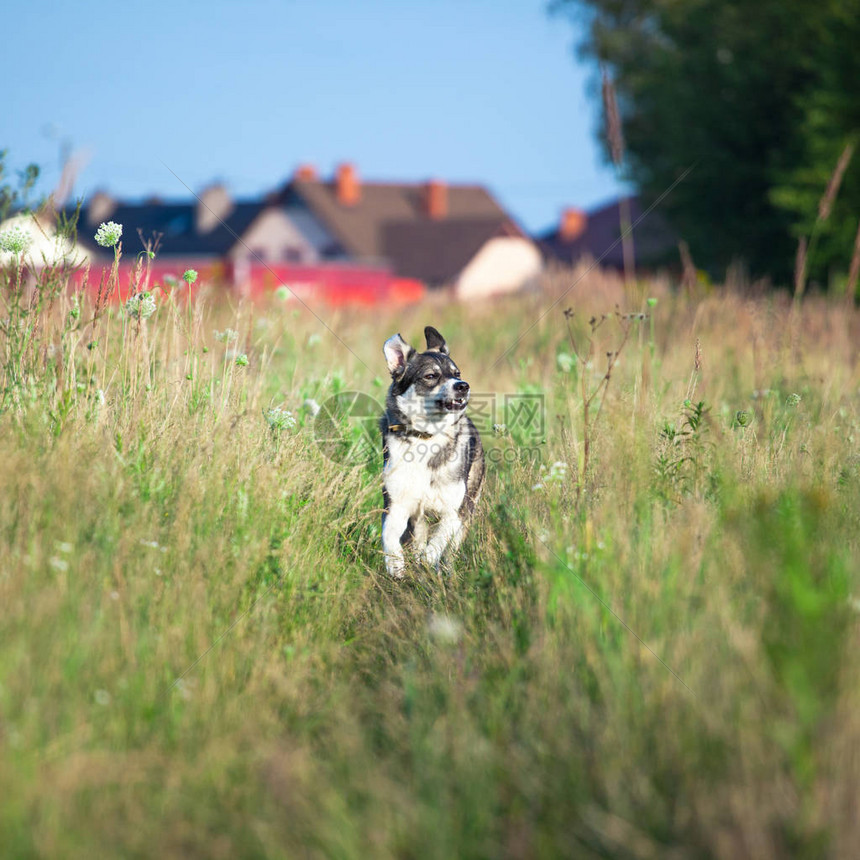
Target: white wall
[270,234]
[503,265]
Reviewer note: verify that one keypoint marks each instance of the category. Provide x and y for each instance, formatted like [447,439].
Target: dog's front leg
[448,535]
[420,532]
[394,523]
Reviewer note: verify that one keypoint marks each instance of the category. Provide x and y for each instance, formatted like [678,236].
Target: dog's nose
[461,387]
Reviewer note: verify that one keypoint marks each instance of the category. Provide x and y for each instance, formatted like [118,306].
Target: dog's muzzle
[460,398]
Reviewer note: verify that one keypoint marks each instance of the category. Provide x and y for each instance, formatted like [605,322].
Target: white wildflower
[229,335]
[444,629]
[102,698]
[555,474]
[141,306]
[558,471]
[314,339]
[280,419]
[108,234]
[15,240]
[63,546]
[59,564]
[565,362]
[242,360]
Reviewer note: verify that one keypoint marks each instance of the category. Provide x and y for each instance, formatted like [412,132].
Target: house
[213,226]
[253,246]
[47,247]
[597,235]
[441,234]
[311,230]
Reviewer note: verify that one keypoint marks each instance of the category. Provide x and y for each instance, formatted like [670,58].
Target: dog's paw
[432,557]
[395,567]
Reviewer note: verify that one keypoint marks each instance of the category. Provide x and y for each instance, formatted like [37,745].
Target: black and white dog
[434,460]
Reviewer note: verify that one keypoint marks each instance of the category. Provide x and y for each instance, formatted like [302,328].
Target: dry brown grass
[318,713]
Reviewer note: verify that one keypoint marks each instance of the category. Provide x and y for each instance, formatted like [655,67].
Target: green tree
[830,124]
[734,88]
[16,196]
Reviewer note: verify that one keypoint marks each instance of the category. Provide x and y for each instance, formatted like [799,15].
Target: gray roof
[174,223]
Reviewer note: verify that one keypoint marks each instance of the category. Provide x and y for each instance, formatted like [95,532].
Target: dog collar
[405,430]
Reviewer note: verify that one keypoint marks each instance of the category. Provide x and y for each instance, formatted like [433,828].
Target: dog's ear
[397,354]
[435,341]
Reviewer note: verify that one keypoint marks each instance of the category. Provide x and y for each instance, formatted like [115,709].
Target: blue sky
[473,91]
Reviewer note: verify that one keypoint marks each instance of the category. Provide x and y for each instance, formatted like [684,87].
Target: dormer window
[178,224]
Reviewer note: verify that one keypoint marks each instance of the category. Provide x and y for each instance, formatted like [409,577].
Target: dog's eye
[430,376]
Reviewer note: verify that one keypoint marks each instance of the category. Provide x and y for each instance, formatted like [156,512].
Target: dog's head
[426,387]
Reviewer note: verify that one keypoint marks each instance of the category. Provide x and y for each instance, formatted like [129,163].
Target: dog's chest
[423,477]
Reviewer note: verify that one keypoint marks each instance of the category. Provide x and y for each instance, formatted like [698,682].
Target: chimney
[305,173]
[436,199]
[573,224]
[100,208]
[213,206]
[347,185]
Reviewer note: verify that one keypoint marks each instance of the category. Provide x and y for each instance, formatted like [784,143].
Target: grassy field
[645,650]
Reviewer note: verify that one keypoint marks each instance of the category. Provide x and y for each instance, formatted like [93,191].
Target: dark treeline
[763,97]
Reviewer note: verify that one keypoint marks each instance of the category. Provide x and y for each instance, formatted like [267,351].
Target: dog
[432,454]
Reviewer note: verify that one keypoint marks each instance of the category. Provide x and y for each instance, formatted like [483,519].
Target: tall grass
[200,654]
